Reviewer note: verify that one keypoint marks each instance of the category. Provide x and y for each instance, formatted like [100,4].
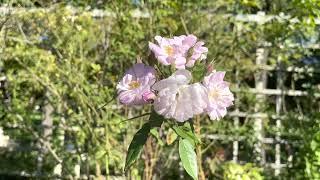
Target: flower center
[134,84]
[168,50]
[213,94]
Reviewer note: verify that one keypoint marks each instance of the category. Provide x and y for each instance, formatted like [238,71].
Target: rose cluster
[175,97]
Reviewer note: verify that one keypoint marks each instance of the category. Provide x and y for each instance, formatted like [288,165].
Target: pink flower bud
[148,96]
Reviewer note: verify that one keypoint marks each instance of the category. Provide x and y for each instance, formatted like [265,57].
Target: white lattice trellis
[260,89]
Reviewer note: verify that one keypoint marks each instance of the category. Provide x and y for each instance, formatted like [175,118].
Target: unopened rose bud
[209,68]
[148,96]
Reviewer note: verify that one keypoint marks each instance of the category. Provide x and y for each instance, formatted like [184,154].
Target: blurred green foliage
[72,62]
[313,158]
[235,171]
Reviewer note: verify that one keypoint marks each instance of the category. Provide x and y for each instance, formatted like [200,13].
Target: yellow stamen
[213,94]
[134,84]
[168,50]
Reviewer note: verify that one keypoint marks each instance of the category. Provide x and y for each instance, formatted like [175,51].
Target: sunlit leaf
[171,137]
[188,157]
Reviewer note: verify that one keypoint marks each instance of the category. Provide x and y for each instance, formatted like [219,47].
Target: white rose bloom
[177,99]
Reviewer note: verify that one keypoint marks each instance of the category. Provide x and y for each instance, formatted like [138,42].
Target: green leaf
[171,136]
[199,71]
[155,120]
[155,134]
[140,138]
[188,157]
[185,132]
[136,145]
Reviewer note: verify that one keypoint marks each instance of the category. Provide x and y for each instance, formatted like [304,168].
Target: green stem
[107,149]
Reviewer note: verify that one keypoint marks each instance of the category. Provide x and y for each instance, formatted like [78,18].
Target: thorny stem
[197,128]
